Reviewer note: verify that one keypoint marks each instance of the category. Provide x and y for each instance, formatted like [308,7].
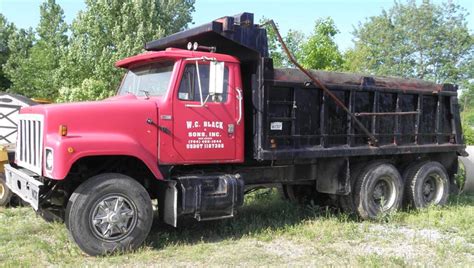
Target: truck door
[204,125]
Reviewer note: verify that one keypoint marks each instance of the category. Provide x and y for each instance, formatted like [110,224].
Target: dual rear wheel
[378,188]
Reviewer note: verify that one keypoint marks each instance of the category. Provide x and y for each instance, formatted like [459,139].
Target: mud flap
[334,176]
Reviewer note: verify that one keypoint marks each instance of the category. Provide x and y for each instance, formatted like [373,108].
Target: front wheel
[109,213]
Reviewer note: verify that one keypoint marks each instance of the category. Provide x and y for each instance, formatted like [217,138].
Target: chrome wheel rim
[113,217]
[383,193]
[432,188]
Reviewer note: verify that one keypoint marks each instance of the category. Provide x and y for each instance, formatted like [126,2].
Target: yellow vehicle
[5,193]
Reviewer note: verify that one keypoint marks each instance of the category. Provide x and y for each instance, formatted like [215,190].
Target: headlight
[49,159]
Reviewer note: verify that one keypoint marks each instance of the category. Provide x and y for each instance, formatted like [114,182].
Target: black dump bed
[288,118]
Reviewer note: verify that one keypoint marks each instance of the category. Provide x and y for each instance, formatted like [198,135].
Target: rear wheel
[109,213]
[426,184]
[378,190]
[5,193]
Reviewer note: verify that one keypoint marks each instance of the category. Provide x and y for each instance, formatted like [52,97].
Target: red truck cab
[157,117]
[194,127]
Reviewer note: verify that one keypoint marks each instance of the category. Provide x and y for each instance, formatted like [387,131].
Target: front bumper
[24,185]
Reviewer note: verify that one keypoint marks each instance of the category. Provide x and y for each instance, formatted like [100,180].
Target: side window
[189,85]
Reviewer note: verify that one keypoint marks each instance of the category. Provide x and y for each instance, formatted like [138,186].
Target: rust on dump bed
[340,78]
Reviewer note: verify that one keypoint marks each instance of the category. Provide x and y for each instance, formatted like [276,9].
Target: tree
[426,41]
[274,47]
[16,68]
[108,31]
[293,40]
[6,31]
[467,115]
[320,50]
[34,72]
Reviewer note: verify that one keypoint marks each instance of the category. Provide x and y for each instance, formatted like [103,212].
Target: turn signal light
[62,130]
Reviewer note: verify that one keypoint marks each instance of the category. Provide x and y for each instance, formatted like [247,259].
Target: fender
[67,150]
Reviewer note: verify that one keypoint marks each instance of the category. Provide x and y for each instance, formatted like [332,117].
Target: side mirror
[216,78]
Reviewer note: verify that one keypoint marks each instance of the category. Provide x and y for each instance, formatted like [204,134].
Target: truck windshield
[148,80]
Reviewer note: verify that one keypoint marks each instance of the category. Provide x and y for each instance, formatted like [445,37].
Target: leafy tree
[467,97]
[6,31]
[320,50]
[108,31]
[34,72]
[426,41]
[468,133]
[274,47]
[17,66]
[293,41]
[467,115]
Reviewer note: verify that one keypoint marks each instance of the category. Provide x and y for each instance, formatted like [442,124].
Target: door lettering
[208,137]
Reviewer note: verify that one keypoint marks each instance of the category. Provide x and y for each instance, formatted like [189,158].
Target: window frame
[175,68]
[227,88]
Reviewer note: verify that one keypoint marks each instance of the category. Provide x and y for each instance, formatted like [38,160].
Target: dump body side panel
[405,116]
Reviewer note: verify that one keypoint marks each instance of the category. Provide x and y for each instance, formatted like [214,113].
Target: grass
[267,231]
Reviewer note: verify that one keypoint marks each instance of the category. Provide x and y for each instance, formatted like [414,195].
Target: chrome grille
[29,147]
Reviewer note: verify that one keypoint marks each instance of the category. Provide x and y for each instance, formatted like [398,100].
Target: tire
[5,193]
[378,190]
[93,221]
[426,184]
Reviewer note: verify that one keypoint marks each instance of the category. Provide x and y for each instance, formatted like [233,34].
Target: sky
[289,14]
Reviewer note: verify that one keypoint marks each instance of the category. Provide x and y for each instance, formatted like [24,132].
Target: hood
[117,114]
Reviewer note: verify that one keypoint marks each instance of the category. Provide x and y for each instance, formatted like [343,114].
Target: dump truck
[203,116]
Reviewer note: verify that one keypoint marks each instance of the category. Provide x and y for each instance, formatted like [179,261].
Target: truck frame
[196,130]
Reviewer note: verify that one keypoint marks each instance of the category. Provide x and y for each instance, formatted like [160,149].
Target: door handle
[164,129]
[239,97]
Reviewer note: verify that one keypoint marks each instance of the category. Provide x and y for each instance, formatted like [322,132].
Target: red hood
[100,127]
[114,114]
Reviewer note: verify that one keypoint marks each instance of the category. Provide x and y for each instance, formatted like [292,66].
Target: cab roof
[171,53]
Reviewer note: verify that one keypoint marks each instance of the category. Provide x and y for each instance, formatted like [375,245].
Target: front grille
[29,147]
